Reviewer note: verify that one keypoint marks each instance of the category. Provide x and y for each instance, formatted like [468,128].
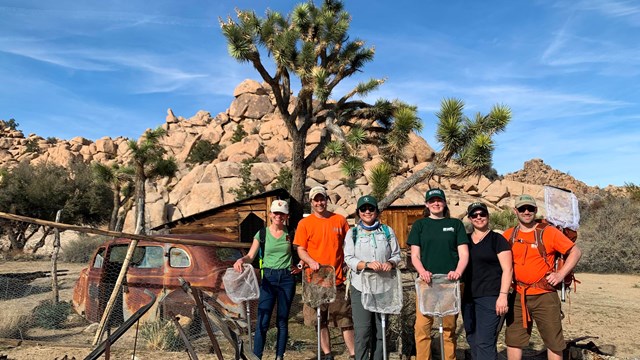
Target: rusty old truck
[156,266]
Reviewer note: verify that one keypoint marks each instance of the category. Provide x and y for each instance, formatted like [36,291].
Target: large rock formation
[200,187]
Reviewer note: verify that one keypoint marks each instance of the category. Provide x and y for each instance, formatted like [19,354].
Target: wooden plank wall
[226,222]
[400,220]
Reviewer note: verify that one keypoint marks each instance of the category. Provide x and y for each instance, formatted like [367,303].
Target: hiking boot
[327,357]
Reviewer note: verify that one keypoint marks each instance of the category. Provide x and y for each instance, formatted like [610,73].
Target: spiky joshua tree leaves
[468,143]
[120,179]
[311,45]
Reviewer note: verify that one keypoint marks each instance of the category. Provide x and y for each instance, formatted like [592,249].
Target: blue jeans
[480,325]
[277,285]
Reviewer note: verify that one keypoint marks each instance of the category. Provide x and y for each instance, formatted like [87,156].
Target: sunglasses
[479,214]
[524,208]
[366,208]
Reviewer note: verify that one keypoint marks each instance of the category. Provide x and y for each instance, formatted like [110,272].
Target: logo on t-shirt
[451,229]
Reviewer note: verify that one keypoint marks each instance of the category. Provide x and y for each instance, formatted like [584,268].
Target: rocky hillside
[201,187]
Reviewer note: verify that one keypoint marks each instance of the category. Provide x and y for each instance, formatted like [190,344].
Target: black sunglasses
[524,208]
[478,214]
[365,208]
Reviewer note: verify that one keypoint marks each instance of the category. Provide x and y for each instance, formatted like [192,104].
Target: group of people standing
[489,267]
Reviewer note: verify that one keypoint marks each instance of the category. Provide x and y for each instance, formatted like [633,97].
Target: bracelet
[506,293]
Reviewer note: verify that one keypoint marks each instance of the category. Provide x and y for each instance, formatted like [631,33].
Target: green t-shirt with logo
[277,252]
[438,240]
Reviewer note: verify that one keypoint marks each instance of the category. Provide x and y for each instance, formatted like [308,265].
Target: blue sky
[568,69]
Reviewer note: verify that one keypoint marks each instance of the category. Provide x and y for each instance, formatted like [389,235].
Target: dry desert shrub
[81,250]
[609,236]
[161,335]
[12,326]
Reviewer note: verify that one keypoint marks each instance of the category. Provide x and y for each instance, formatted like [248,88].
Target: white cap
[280,206]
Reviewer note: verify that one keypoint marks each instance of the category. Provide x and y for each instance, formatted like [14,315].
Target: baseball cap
[525,199]
[475,206]
[317,190]
[280,206]
[431,193]
[367,199]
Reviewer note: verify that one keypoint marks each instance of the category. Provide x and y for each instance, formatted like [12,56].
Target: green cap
[475,206]
[525,199]
[367,199]
[434,193]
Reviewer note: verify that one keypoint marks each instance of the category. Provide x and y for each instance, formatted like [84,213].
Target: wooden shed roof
[279,193]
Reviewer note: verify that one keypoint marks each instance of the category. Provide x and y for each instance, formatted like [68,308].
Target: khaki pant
[423,335]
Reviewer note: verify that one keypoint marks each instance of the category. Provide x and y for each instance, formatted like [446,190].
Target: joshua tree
[311,44]
[467,142]
[148,162]
[120,180]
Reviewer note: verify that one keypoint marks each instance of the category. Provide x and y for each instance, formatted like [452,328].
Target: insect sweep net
[439,298]
[319,287]
[382,291]
[241,286]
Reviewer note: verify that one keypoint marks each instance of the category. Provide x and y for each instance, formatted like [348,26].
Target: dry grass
[13,325]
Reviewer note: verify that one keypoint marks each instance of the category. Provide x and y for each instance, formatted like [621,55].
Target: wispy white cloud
[616,9]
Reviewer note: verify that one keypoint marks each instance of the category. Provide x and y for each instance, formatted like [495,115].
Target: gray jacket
[369,246]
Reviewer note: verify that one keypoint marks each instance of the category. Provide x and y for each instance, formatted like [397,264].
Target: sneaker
[278,357]
[327,357]
[352,357]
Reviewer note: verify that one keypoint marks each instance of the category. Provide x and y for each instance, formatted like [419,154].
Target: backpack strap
[538,231]
[387,232]
[262,239]
[354,233]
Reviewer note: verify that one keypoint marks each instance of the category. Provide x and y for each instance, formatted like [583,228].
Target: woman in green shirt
[278,284]
[438,246]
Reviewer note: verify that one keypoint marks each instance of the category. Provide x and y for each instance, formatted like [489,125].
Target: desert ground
[605,307]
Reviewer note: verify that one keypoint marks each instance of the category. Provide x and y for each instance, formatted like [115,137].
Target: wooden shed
[400,218]
[236,221]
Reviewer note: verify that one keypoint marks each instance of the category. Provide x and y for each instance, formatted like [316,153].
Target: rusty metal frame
[185,339]
[197,295]
[211,315]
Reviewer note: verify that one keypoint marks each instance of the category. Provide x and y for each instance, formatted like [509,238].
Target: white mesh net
[319,287]
[241,286]
[440,298]
[561,207]
[382,291]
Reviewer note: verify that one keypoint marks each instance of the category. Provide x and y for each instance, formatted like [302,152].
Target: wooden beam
[154,238]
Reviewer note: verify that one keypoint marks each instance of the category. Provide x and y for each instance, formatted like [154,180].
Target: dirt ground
[605,307]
